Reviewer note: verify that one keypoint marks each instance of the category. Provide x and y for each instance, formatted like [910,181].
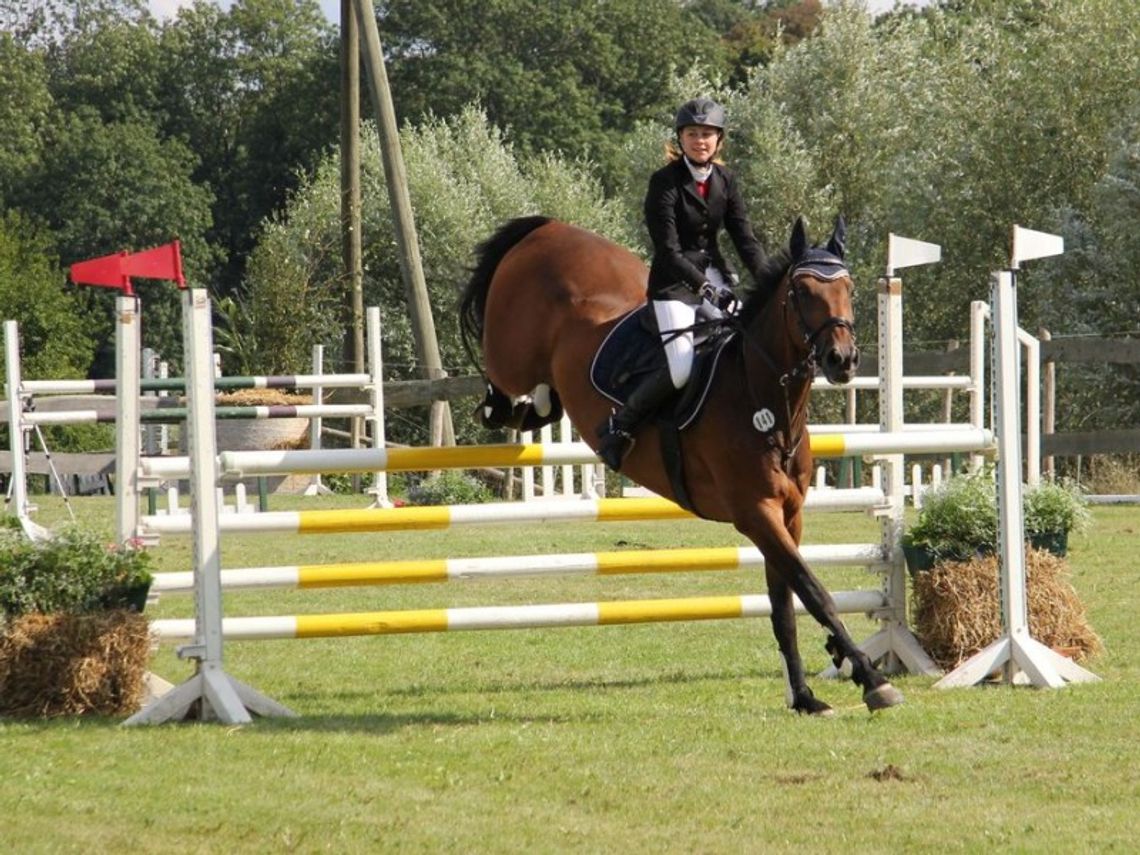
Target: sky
[331,8]
[166,8]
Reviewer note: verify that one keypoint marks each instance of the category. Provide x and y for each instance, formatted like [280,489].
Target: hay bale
[68,664]
[957,608]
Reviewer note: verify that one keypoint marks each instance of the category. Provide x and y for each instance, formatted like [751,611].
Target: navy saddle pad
[633,349]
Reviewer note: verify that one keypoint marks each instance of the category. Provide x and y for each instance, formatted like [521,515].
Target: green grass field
[662,738]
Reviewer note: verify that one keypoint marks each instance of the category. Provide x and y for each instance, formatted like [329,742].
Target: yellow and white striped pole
[343,521]
[301,462]
[505,617]
[614,563]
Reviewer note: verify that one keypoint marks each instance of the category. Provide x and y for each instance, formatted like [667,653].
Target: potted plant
[958,520]
[72,640]
[75,572]
[1052,511]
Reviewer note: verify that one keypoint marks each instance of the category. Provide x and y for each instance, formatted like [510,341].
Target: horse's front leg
[766,528]
[800,697]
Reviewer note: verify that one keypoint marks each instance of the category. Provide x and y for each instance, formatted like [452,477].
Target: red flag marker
[115,271]
[105,271]
[162,262]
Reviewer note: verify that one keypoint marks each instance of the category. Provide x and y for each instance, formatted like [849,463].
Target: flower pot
[920,558]
[129,597]
[1056,542]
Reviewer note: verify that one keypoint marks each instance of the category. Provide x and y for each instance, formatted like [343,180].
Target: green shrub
[1055,507]
[450,487]
[76,572]
[958,517]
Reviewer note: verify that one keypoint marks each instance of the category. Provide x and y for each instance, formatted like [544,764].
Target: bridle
[815,264]
[822,265]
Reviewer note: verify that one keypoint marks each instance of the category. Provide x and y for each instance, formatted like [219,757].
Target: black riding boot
[616,432]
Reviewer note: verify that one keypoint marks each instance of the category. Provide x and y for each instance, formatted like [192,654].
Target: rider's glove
[722,298]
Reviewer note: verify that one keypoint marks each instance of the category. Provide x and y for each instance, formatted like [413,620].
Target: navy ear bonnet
[821,264]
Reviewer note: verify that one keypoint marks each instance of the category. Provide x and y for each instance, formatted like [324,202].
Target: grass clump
[449,487]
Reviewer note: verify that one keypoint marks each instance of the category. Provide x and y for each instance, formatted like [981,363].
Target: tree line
[949,124]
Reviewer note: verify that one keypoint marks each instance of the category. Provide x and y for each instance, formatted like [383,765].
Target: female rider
[688,201]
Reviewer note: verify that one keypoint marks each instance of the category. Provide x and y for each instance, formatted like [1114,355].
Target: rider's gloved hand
[722,298]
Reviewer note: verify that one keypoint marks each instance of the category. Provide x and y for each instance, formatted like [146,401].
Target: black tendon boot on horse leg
[616,432]
[878,693]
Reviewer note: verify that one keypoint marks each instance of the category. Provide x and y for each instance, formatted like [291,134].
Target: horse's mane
[771,275]
[488,255]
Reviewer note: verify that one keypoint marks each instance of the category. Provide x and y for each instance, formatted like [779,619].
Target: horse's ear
[837,245]
[799,243]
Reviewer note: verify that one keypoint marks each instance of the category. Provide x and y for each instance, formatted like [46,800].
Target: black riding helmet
[700,111]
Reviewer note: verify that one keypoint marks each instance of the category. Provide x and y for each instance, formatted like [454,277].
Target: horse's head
[819,295]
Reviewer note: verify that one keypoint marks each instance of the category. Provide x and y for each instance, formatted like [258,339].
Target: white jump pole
[18,505]
[211,693]
[376,391]
[315,487]
[1020,657]
[128,457]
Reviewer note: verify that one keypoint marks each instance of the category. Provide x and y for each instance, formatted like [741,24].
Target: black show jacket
[684,227]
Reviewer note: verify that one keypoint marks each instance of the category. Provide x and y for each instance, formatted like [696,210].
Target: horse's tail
[474,299]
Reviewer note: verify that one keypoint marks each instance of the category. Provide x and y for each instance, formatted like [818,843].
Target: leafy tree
[752,33]
[1093,287]
[41,23]
[565,77]
[253,91]
[53,340]
[25,107]
[112,69]
[106,187]
[465,180]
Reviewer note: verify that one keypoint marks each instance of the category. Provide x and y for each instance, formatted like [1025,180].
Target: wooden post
[411,267]
[350,237]
[1049,417]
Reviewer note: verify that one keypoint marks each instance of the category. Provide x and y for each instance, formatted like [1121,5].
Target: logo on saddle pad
[763,420]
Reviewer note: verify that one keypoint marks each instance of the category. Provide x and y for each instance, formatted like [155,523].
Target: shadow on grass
[385,723]
[557,685]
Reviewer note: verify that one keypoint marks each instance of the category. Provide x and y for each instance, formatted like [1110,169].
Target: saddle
[633,349]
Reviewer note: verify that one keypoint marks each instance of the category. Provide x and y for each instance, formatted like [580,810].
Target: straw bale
[260,398]
[957,608]
[66,664]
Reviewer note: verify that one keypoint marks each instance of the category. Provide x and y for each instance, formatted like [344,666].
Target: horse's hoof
[812,705]
[881,697]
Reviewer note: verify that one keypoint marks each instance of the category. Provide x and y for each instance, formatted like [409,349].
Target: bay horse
[545,294]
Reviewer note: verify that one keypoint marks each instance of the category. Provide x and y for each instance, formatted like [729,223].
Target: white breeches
[675,315]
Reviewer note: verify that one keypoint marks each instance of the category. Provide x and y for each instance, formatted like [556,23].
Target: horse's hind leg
[800,697]
[499,410]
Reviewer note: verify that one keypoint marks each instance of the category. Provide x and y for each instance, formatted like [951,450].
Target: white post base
[210,695]
[1022,660]
[894,644]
